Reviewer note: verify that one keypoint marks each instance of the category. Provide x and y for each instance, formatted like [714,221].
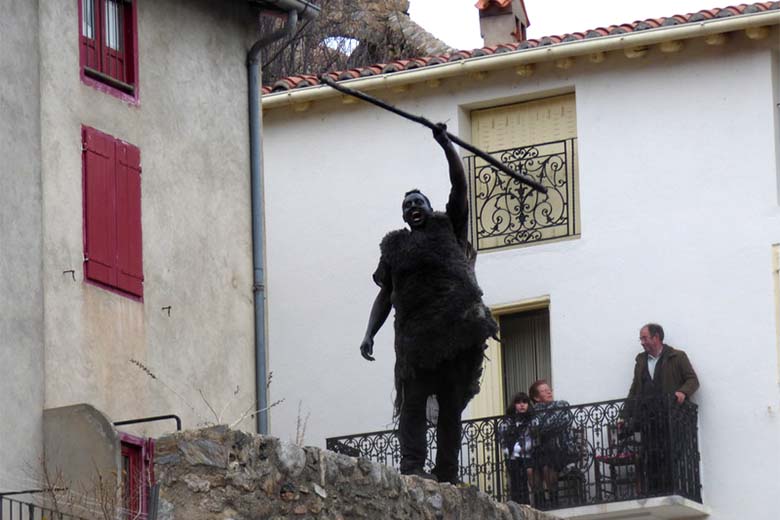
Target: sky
[459,27]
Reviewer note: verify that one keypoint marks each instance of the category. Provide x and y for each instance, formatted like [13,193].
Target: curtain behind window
[525,338]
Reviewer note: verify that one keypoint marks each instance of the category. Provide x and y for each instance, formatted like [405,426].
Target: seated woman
[552,453]
[517,443]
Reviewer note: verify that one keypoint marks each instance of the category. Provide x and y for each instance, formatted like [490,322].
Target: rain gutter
[294,9]
[518,58]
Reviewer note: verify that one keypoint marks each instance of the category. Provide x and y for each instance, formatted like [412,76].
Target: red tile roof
[294,82]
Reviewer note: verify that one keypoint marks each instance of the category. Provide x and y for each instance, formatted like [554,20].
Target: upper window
[112,212]
[107,44]
[538,139]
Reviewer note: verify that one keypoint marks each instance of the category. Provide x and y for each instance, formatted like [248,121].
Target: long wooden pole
[528,181]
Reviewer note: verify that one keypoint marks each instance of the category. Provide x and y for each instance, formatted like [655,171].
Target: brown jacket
[677,374]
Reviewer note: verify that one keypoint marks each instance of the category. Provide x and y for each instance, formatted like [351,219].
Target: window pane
[114,24]
[88,18]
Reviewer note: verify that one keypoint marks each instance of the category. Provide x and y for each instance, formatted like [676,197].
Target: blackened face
[416,210]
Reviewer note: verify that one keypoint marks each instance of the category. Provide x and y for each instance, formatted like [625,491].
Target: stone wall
[217,473]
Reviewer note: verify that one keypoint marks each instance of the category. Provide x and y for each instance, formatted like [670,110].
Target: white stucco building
[671,136]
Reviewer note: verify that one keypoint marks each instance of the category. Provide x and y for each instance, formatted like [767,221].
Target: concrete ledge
[80,444]
[671,507]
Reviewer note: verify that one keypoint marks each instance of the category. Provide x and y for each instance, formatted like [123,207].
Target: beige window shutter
[776,280]
[523,124]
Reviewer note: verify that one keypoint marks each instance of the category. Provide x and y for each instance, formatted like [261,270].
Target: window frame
[140,453]
[98,77]
[550,150]
[492,399]
[117,257]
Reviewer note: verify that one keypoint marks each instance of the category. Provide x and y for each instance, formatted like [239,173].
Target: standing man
[663,380]
[661,369]
[427,273]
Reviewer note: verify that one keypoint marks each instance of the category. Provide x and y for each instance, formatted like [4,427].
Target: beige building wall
[21,293]
[193,329]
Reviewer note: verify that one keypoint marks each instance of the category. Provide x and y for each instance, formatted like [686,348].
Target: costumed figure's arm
[379,312]
[458,204]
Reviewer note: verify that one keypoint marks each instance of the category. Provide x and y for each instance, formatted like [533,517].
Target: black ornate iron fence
[508,213]
[579,455]
[11,509]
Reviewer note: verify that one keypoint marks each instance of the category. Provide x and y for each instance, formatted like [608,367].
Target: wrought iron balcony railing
[11,509]
[606,452]
[506,213]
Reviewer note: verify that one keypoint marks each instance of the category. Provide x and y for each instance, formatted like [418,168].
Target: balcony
[619,458]
[506,213]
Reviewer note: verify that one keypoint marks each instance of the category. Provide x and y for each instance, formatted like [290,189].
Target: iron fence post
[499,460]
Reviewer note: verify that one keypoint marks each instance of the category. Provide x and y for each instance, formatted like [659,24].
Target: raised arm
[379,312]
[457,205]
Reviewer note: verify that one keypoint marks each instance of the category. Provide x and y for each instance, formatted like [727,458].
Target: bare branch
[248,415]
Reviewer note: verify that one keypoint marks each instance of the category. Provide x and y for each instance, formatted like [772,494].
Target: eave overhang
[758,24]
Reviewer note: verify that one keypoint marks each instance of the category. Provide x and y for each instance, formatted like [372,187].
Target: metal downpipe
[258,253]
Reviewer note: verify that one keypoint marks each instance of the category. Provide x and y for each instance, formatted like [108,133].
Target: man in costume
[427,273]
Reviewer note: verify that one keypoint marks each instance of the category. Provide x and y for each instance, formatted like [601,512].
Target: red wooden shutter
[99,206]
[128,222]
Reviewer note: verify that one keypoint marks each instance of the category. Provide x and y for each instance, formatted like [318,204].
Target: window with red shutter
[108,44]
[112,212]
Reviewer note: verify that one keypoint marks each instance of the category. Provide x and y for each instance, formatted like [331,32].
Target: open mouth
[416,217]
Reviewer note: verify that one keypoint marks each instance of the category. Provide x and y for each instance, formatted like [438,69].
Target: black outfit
[555,446]
[441,326]
[516,438]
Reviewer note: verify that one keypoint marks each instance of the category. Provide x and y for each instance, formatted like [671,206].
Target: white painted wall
[678,189]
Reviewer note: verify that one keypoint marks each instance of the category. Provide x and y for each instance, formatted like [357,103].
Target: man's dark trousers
[651,419]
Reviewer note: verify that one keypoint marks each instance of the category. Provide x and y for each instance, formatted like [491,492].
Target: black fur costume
[439,313]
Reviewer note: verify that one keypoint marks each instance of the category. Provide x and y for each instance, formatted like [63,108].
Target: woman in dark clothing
[518,445]
[552,451]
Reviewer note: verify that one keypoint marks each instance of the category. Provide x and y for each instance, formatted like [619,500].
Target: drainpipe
[293,8]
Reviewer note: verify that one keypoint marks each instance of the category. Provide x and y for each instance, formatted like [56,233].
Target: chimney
[502,21]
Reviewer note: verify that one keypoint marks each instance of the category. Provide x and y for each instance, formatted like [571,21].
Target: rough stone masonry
[218,473]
